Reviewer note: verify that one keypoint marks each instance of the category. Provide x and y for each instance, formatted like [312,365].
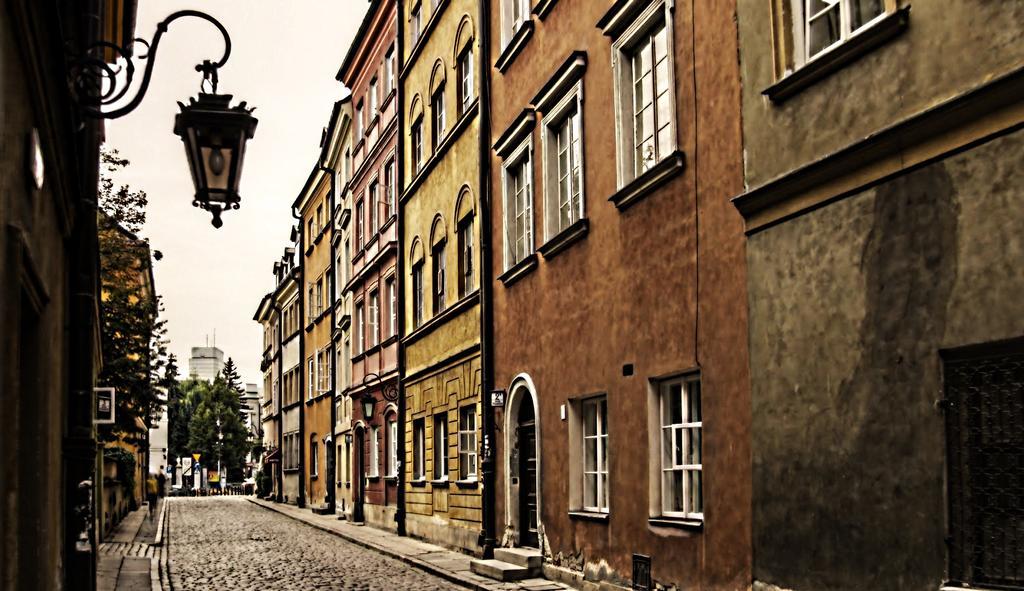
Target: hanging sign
[104,406]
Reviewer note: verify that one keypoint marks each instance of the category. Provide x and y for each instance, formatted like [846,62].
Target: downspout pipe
[488,462]
[301,500]
[399,264]
[331,457]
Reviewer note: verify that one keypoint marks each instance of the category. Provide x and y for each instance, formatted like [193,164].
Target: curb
[158,540]
[411,561]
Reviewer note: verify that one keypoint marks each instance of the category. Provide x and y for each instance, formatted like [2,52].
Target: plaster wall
[849,308]
[659,286]
[948,48]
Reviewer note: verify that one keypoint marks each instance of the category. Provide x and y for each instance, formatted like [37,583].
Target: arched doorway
[523,462]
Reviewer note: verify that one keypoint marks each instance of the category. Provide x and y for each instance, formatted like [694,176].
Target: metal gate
[985,446]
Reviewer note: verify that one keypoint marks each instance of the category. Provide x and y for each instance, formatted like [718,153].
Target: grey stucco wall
[849,307]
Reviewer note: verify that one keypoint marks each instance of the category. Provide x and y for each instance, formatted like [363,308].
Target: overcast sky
[284,58]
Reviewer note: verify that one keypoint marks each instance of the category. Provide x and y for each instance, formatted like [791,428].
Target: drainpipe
[487,464]
[331,459]
[399,262]
[301,500]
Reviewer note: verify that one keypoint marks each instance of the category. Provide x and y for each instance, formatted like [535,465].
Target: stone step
[499,570]
[322,510]
[530,558]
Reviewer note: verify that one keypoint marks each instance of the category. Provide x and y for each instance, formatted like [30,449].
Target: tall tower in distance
[205,363]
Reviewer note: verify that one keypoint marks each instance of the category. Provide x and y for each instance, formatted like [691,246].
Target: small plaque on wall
[498,398]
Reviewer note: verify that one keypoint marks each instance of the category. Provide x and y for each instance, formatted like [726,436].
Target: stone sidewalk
[131,556]
[447,564]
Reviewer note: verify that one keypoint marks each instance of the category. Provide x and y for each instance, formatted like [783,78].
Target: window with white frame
[441,446]
[563,163]
[359,121]
[314,457]
[360,236]
[417,145]
[418,448]
[821,25]
[438,121]
[415,24]
[467,443]
[372,205]
[373,99]
[467,282]
[681,461]
[518,172]
[311,369]
[438,262]
[373,313]
[389,189]
[360,328]
[514,14]
[373,470]
[417,294]
[645,92]
[595,454]
[392,447]
[392,294]
[389,71]
[466,78]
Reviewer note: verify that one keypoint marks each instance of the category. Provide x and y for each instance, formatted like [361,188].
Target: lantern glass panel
[217,167]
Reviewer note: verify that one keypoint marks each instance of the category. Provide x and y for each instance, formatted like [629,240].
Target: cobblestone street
[229,543]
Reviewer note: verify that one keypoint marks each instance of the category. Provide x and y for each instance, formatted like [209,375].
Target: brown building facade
[884,210]
[619,315]
[370,72]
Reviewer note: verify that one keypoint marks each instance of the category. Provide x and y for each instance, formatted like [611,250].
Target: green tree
[216,429]
[230,375]
[134,336]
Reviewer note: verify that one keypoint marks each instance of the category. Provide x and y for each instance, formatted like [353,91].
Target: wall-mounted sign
[36,167]
[498,398]
[104,406]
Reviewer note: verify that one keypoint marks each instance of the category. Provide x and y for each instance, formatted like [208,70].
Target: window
[439,278]
[438,120]
[346,368]
[290,450]
[417,145]
[318,305]
[518,208]
[372,204]
[595,455]
[319,218]
[389,189]
[392,295]
[417,294]
[418,445]
[314,468]
[681,424]
[359,224]
[563,189]
[392,467]
[820,25]
[359,121]
[466,81]
[347,261]
[441,446]
[311,372]
[389,71]
[360,328]
[466,280]
[374,314]
[467,443]
[373,468]
[373,98]
[644,92]
[515,13]
[415,22]
[310,232]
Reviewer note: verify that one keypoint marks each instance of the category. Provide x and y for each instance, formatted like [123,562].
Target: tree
[215,403]
[134,345]
[230,374]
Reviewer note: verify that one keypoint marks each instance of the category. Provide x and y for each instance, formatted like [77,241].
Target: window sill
[515,46]
[443,483]
[690,524]
[373,478]
[418,483]
[564,239]
[519,270]
[839,57]
[589,516]
[543,8]
[450,312]
[391,479]
[467,484]
[314,476]
[289,470]
[669,167]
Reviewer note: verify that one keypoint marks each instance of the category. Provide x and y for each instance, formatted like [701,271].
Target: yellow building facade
[441,188]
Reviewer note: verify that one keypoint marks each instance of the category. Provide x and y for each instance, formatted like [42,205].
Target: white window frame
[438,116]
[600,439]
[419,441]
[801,28]
[314,456]
[468,461]
[521,156]
[622,88]
[374,464]
[389,71]
[416,147]
[373,105]
[467,78]
[310,389]
[441,466]
[667,462]
[392,294]
[392,447]
[415,24]
[373,318]
[511,22]
[550,126]
[373,206]
[360,328]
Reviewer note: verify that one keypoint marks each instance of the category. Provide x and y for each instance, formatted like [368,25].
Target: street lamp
[214,132]
[368,401]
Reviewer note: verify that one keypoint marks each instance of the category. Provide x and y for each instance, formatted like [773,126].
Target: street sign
[497,398]
[104,406]
[197,456]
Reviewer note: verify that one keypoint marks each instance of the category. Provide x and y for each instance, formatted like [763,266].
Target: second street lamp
[368,401]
